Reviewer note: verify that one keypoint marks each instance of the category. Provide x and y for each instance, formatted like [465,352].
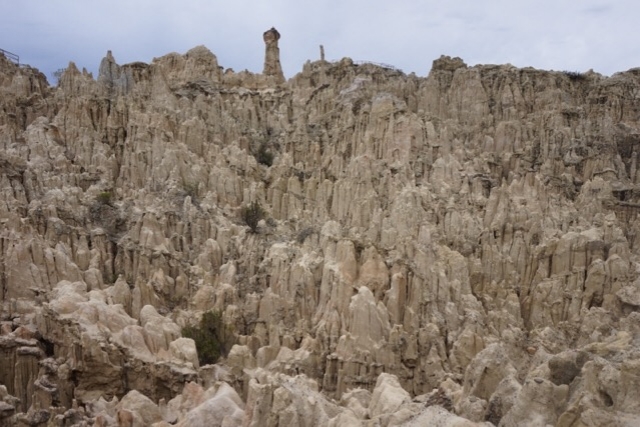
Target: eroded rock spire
[272,65]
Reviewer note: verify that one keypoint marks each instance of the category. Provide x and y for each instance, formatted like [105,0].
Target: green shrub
[264,156]
[252,214]
[213,337]
[575,76]
[104,197]
[191,188]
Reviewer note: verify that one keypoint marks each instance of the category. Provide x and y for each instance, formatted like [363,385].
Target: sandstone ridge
[457,249]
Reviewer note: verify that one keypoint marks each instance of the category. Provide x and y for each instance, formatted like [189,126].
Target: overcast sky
[574,35]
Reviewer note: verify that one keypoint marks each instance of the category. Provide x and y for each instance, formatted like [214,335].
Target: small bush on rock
[191,189]
[575,76]
[104,197]
[252,214]
[213,337]
[264,156]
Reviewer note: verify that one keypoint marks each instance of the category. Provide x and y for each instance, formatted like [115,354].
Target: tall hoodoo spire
[272,65]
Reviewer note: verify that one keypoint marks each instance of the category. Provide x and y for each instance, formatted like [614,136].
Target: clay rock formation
[272,65]
[457,249]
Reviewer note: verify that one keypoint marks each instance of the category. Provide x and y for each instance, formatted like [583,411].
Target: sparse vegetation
[303,234]
[104,198]
[57,74]
[252,214]
[300,175]
[535,239]
[264,156]
[575,76]
[191,188]
[109,279]
[213,337]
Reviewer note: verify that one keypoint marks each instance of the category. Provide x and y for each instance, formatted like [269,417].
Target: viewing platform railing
[379,64]
[10,56]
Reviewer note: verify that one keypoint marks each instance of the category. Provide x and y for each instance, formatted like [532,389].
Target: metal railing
[379,64]
[10,56]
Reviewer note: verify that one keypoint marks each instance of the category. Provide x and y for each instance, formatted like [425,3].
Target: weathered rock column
[272,65]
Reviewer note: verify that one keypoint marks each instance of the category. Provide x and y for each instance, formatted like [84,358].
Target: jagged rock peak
[447,63]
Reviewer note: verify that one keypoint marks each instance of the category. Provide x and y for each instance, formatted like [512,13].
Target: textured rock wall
[471,231]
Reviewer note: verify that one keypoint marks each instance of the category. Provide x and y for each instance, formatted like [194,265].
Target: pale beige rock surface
[451,247]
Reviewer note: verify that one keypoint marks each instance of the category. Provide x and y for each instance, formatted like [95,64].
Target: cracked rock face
[457,249]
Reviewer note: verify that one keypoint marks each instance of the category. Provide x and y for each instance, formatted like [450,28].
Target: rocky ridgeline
[455,249]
